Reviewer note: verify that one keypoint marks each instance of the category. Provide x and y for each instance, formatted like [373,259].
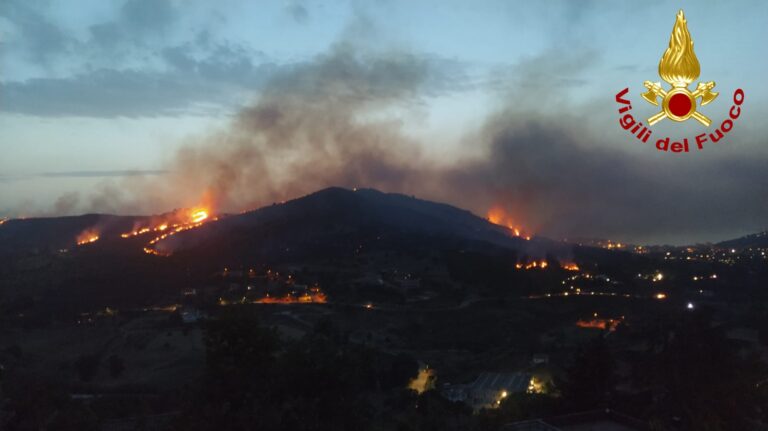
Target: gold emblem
[679,67]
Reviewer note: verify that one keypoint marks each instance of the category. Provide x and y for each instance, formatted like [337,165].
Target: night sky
[142,106]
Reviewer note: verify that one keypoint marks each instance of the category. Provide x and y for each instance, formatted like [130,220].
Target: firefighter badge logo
[679,67]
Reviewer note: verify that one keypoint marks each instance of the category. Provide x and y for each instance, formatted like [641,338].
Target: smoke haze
[546,147]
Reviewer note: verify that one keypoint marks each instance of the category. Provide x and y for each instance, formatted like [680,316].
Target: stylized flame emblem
[679,67]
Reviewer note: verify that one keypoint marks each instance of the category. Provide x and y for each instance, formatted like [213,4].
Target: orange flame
[498,216]
[87,236]
[569,266]
[196,219]
[170,221]
[199,215]
[609,324]
[315,297]
[170,224]
[534,264]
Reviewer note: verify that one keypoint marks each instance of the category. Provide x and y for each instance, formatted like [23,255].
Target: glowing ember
[497,215]
[570,266]
[170,224]
[313,297]
[534,264]
[609,324]
[153,251]
[87,236]
[3,220]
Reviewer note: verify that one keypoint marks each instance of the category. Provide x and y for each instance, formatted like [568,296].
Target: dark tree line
[254,380]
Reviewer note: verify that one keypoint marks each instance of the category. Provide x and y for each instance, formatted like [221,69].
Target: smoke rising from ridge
[320,124]
[307,130]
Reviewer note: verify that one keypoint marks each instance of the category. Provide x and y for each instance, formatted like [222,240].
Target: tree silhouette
[705,384]
[590,378]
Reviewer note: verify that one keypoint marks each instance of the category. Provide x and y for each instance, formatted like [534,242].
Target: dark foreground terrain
[363,310]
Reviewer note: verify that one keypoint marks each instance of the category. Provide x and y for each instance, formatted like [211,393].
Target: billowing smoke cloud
[315,125]
[559,180]
[66,203]
[325,123]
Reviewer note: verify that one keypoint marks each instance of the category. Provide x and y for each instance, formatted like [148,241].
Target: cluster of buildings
[488,390]
[267,286]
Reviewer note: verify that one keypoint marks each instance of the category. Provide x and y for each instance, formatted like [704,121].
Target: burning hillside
[88,236]
[160,227]
[499,216]
[294,226]
[544,264]
[169,222]
[569,266]
[534,264]
[178,221]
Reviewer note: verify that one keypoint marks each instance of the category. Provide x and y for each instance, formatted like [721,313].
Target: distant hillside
[316,223]
[347,233]
[756,240]
[324,218]
[45,233]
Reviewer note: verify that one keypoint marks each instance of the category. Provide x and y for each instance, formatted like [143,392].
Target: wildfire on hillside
[569,266]
[543,264]
[498,216]
[87,236]
[534,264]
[170,224]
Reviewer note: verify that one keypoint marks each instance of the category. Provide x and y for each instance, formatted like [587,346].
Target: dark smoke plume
[312,127]
[322,124]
